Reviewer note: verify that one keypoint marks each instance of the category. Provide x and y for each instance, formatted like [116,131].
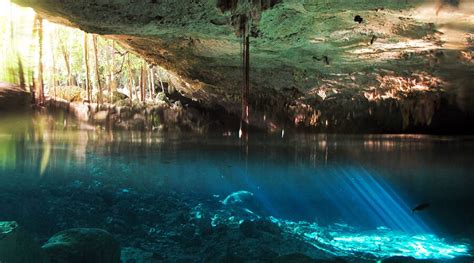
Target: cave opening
[236,131]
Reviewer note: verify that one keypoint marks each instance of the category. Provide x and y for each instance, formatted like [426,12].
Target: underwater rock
[247,228]
[302,258]
[136,255]
[159,226]
[17,247]
[231,257]
[402,259]
[462,259]
[237,197]
[204,226]
[83,245]
[180,218]
[255,228]
[221,229]
[294,258]
[267,226]
[187,239]
[244,205]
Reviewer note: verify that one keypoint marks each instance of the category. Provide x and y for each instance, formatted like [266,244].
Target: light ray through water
[391,228]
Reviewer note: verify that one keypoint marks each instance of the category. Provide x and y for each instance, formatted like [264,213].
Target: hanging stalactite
[245,17]
[245,91]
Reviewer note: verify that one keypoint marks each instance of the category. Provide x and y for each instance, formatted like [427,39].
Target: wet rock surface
[14,98]
[162,116]
[154,225]
[151,226]
[401,66]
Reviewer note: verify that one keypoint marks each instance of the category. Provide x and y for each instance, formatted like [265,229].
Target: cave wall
[312,64]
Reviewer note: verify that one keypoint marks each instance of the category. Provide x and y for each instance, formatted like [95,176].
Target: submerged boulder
[136,255]
[294,258]
[83,245]
[238,197]
[16,246]
[258,227]
[403,259]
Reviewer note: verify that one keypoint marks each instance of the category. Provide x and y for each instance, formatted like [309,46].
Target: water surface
[348,195]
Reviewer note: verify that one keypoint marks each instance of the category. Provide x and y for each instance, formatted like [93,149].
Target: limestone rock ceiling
[301,50]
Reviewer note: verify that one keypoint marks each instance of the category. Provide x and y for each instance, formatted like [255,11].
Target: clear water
[345,195]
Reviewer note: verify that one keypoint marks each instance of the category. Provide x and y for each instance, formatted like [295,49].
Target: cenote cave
[136,131]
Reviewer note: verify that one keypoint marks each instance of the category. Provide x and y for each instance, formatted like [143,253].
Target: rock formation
[400,66]
[83,245]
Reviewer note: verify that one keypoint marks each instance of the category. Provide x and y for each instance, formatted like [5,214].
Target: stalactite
[231,5]
[246,14]
[244,29]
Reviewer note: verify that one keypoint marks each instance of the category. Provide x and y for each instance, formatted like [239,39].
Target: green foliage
[15,32]
[63,59]
[161,96]
[122,102]
[70,93]
[155,120]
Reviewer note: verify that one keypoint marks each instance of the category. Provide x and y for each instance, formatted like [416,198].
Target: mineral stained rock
[311,64]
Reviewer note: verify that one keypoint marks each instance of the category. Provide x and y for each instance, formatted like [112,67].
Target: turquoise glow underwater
[341,195]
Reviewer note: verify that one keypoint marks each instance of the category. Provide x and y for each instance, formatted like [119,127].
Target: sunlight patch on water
[362,197]
[380,243]
[342,240]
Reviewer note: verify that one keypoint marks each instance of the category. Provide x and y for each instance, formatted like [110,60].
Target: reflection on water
[346,195]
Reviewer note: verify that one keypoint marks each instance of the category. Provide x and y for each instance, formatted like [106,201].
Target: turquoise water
[343,195]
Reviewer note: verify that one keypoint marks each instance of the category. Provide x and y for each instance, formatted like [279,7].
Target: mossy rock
[161,96]
[118,96]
